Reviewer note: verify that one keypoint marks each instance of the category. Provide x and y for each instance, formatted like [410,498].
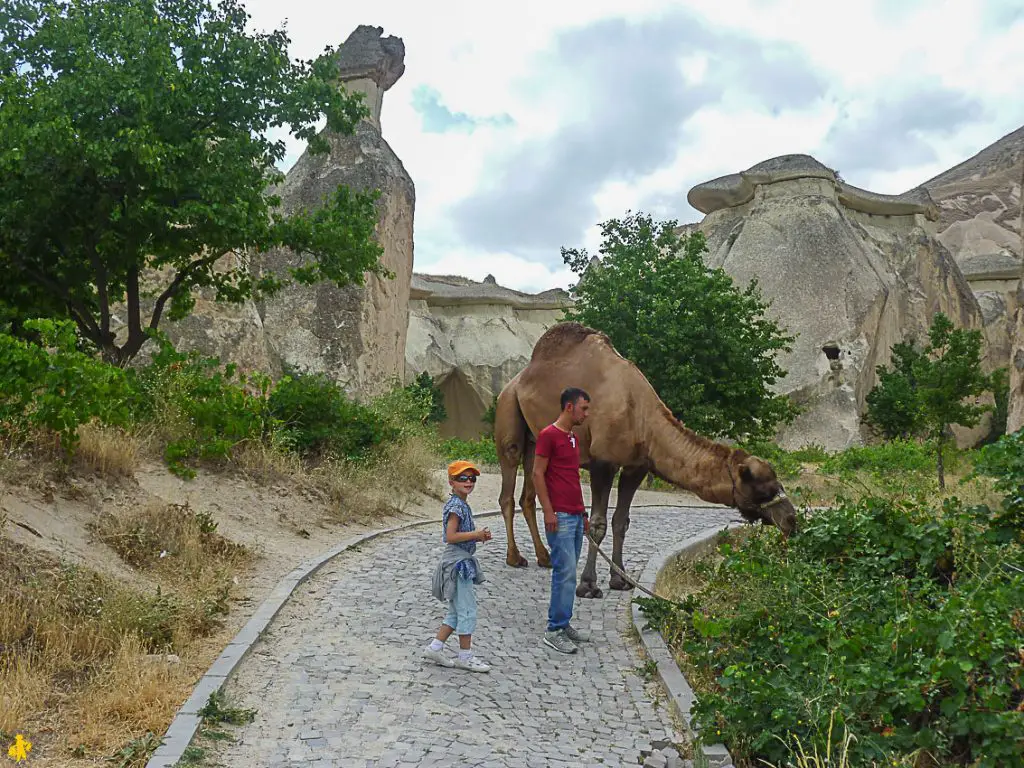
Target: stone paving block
[340,663]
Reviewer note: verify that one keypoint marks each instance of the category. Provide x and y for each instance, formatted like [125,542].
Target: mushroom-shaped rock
[367,54]
[849,272]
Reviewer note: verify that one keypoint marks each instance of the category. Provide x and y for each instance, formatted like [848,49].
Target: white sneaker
[438,657]
[473,664]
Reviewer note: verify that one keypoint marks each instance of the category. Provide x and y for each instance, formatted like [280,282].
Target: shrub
[888,458]
[898,622]
[55,386]
[317,419]
[481,450]
[423,387]
[204,410]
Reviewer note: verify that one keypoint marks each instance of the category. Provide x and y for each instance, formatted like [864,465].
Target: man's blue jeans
[566,544]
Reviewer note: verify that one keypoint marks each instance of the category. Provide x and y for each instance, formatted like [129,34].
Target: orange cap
[458,467]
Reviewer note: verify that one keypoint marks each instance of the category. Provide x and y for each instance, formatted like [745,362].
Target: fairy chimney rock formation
[848,271]
[472,338]
[370,64]
[356,335]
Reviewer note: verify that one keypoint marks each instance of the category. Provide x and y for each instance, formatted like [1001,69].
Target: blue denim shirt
[460,508]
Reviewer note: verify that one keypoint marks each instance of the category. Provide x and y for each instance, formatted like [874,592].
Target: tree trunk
[939,463]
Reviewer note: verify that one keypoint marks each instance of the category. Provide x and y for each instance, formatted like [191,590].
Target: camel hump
[558,339]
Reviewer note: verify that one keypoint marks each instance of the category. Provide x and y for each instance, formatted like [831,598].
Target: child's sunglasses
[465,479]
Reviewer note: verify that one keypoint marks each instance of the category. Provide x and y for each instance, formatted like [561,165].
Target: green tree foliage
[928,390]
[133,144]
[423,387]
[705,345]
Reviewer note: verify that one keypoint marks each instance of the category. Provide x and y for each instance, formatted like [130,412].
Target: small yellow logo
[19,750]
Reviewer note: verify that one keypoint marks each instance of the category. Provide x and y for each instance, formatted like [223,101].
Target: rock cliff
[473,338]
[849,271]
[356,335]
[980,223]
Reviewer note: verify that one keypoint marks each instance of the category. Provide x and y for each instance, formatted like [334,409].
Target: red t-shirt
[562,475]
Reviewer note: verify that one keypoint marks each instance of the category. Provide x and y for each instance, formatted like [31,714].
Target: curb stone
[680,693]
[186,721]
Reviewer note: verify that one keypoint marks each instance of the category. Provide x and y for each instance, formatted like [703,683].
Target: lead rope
[629,579]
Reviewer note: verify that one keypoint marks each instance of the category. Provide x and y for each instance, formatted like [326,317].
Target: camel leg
[507,502]
[602,475]
[528,503]
[629,480]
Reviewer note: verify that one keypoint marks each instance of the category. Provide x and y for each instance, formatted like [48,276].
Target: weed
[216,710]
[647,670]
[136,752]
[192,755]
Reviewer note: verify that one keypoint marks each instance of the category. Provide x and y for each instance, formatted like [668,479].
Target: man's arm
[540,465]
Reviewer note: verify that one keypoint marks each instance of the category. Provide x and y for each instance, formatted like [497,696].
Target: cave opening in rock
[831,350]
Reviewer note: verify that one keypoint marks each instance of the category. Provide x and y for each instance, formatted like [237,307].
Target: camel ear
[745,474]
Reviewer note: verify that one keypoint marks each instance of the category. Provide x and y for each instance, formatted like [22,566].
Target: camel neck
[691,461]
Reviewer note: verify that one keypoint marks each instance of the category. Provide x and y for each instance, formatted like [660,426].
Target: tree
[928,390]
[705,345]
[134,152]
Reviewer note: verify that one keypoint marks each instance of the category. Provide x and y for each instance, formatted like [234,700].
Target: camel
[629,429]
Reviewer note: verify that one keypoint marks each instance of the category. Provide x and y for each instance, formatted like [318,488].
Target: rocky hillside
[980,201]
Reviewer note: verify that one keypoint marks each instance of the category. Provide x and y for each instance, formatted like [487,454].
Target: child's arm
[455,536]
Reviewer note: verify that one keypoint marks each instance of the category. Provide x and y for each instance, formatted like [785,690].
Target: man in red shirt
[556,476]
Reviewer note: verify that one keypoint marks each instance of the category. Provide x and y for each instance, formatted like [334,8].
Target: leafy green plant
[890,457]
[706,346]
[928,390]
[482,450]
[319,420]
[206,409]
[134,140]
[55,386]
[136,752]
[217,710]
[423,386]
[897,623]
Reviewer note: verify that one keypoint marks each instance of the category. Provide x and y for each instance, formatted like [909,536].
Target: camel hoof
[517,562]
[588,591]
[619,584]
[545,561]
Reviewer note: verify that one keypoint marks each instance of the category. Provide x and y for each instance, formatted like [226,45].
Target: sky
[526,125]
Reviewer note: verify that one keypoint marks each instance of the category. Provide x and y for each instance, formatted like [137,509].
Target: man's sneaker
[473,664]
[575,635]
[558,640]
[438,657]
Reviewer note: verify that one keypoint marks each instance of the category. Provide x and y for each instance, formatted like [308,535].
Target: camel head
[758,495]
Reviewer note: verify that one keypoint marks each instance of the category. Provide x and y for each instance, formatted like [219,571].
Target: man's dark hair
[571,395]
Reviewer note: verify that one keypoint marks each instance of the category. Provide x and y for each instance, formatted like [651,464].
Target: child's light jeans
[462,608]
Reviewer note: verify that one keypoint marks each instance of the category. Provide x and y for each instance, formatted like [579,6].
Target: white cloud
[869,60]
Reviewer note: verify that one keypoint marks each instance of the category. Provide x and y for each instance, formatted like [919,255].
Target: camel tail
[510,429]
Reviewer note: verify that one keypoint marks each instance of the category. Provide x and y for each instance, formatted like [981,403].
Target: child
[458,572]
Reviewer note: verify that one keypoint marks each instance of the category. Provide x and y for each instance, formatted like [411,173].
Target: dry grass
[385,487]
[110,451]
[76,648]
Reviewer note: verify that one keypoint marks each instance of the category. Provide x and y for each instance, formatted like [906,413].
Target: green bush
[888,458]
[481,450]
[204,409]
[903,623]
[317,419]
[423,387]
[55,386]
[1004,461]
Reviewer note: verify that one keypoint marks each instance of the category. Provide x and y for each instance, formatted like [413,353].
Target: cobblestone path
[337,680]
